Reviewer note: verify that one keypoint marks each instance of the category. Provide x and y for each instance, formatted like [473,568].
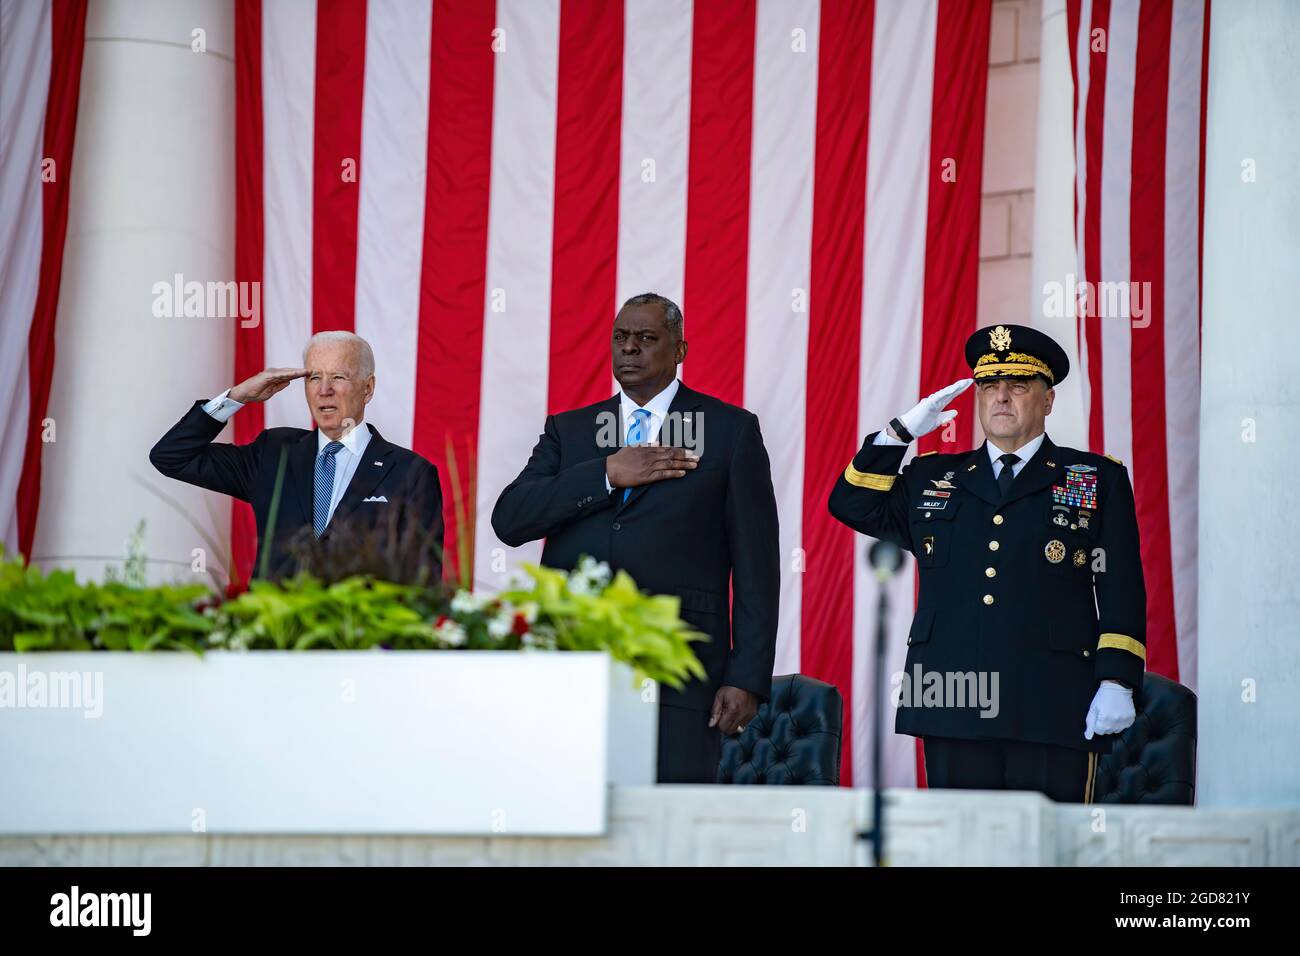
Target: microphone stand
[886,558]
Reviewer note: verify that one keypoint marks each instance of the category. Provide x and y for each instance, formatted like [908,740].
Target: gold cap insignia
[1000,339]
[1055,551]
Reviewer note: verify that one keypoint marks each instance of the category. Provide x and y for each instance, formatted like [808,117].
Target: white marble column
[1249,580]
[152,195]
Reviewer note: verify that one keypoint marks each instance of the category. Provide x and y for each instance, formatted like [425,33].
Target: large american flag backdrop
[1140,91]
[474,186]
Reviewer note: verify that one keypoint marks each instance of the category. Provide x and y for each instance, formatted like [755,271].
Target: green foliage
[302,613]
[581,611]
[644,631]
[53,612]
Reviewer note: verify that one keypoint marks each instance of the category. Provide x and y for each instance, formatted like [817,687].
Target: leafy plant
[302,613]
[55,612]
[586,610]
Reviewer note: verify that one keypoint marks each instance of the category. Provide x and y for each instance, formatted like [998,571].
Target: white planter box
[448,742]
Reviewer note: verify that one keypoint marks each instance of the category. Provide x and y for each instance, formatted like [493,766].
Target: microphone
[885,558]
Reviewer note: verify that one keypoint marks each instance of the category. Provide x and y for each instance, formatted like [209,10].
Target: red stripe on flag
[1200,189]
[584,247]
[449,356]
[834,330]
[336,167]
[717,202]
[949,314]
[250,350]
[1094,132]
[1147,255]
[67,41]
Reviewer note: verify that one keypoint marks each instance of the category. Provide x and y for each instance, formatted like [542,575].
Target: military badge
[947,475]
[1055,551]
[942,482]
[1079,490]
[1000,339]
[1080,558]
[1060,520]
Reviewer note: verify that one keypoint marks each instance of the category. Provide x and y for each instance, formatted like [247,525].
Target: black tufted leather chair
[1154,761]
[794,739]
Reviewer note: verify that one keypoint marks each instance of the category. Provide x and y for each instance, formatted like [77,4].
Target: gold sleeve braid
[1122,642]
[865,479]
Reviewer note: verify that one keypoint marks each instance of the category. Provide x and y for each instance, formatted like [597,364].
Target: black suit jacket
[1043,587]
[703,537]
[248,472]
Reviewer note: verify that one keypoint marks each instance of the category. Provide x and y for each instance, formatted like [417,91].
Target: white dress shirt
[658,409]
[346,459]
[1025,451]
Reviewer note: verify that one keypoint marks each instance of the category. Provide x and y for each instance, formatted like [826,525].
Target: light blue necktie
[638,433]
[324,485]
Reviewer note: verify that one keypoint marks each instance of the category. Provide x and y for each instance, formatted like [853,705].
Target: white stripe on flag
[25,52]
[288,138]
[513,393]
[898,183]
[1116,179]
[1182,327]
[390,217]
[655,143]
[780,239]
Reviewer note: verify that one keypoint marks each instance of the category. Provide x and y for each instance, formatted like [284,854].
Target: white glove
[928,414]
[1111,710]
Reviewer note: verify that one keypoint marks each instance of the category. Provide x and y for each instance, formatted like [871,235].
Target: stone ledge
[747,826]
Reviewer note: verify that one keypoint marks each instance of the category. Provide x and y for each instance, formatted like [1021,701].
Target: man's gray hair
[672,314]
[365,357]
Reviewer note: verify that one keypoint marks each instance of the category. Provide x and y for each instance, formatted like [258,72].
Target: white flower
[467,602]
[596,572]
[450,633]
[499,627]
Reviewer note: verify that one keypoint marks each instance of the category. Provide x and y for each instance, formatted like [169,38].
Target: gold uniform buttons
[993,545]
[997,519]
[988,599]
[990,572]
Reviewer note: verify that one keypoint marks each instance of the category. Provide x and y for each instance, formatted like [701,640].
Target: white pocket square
[376,498]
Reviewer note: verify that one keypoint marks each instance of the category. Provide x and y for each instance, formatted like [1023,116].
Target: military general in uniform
[1030,579]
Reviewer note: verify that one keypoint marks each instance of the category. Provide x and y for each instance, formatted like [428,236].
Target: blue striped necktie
[638,433]
[324,485]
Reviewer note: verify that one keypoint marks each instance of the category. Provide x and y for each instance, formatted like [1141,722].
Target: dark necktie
[1006,475]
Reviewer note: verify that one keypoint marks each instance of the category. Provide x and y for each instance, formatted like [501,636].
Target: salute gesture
[929,413]
[265,384]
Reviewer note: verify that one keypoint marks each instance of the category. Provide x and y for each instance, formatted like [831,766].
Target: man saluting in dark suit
[343,471]
[683,516]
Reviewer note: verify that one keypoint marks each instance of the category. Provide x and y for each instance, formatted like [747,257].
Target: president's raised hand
[265,384]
